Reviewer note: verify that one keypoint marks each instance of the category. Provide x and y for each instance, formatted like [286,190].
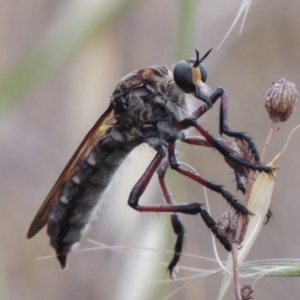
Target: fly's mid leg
[218,145]
[171,207]
[177,225]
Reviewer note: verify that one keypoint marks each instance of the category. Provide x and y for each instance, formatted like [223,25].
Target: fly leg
[240,182]
[217,144]
[190,209]
[269,215]
[140,186]
[175,220]
[175,165]
[202,109]
[223,127]
[202,141]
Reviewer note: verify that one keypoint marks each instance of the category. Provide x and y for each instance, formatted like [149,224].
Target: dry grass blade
[243,9]
[259,202]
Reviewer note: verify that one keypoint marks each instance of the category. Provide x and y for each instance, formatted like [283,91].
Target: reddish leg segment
[174,163]
[191,209]
[175,220]
[223,126]
[140,186]
[219,145]
[201,141]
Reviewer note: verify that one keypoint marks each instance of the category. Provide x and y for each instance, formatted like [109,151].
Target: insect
[149,106]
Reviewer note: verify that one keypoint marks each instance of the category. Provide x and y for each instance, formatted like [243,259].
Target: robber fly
[149,106]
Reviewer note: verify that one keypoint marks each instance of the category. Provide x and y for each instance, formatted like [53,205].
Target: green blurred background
[59,61]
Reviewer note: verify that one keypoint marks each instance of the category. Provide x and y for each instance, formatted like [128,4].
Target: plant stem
[242,223]
[236,279]
[274,127]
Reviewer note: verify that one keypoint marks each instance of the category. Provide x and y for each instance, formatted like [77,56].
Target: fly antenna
[205,55]
[198,61]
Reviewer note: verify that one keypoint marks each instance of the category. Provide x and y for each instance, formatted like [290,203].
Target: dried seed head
[246,291]
[281,99]
[238,148]
[226,227]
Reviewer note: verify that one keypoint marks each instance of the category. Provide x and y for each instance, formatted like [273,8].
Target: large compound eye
[203,72]
[183,76]
[189,73]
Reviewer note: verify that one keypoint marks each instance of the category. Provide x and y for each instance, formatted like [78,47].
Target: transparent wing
[91,139]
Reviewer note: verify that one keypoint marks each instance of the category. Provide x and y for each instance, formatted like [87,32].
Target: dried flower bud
[281,100]
[241,149]
[226,227]
[246,291]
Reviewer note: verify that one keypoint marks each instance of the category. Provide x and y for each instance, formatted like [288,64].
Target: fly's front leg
[223,127]
[203,108]
[217,144]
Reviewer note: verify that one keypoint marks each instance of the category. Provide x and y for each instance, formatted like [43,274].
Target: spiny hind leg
[177,225]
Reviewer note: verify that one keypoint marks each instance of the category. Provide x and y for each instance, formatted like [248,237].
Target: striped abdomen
[81,194]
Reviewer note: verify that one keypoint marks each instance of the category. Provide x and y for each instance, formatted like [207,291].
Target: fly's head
[190,76]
